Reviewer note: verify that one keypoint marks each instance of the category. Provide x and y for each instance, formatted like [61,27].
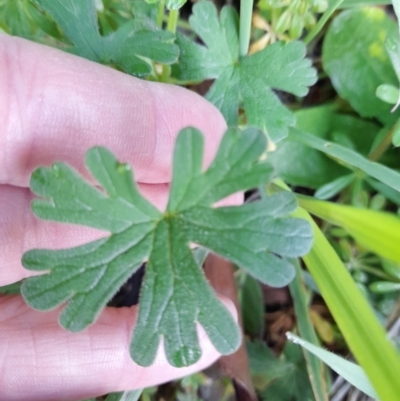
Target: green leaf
[175,294]
[220,36]
[393,269]
[299,164]
[315,368]
[252,306]
[133,395]
[378,231]
[393,49]
[385,190]
[200,254]
[78,20]
[361,3]
[355,58]
[285,378]
[348,370]
[350,157]
[353,314]
[388,93]
[174,4]
[170,4]
[249,80]
[278,379]
[396,134]
[126,47]
[264,365]
[14,288]
[382,287]
[22,18]
[133,41]
[334,187]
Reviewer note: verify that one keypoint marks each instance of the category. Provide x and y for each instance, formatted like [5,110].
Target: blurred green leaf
[348,370]
[388,93]
[385,190]
[396,134]
[78,20]
[334,187]
[305,327]
[354,316]
[126,47]
[361,3]
[200,255]
[378,202]
[393,49]
[391,268]
[298,164]
[377,231]
[252,306]
[382,287]
[133,395]
[380,172]
[355,58]
[295,384]
[279,379]
[14,288]
[264,364]
[23,18]
[174,4]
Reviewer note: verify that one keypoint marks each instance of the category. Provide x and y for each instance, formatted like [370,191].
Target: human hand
[54,106]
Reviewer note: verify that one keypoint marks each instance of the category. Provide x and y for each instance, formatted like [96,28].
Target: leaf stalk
[383,145]
[322,21]
[173,20]
[246,11]
[160,13]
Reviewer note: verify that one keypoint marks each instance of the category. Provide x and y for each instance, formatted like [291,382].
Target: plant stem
[172,23]
[180,24]
[383,145]
[172,20]
[246,10]
[322,21]
[375,272]
[160,14]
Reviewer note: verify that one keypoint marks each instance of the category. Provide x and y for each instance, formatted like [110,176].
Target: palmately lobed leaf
[126,47]
[249,81]
[175,293]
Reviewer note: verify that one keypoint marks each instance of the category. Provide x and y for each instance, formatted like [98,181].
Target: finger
[20,230]
[55,106]
[41,361]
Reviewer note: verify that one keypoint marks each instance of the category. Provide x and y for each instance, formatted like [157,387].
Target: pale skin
[55,106]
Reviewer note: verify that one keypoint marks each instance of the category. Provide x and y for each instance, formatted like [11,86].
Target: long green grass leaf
[350,157]
[348,370]
[314,366]
[132,395]
[377,231]
[351,311]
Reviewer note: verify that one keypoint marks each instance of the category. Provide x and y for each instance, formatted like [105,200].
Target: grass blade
[350,157]
[315,367]
[356,320]
[348,370]
[132,395]
[377,231]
